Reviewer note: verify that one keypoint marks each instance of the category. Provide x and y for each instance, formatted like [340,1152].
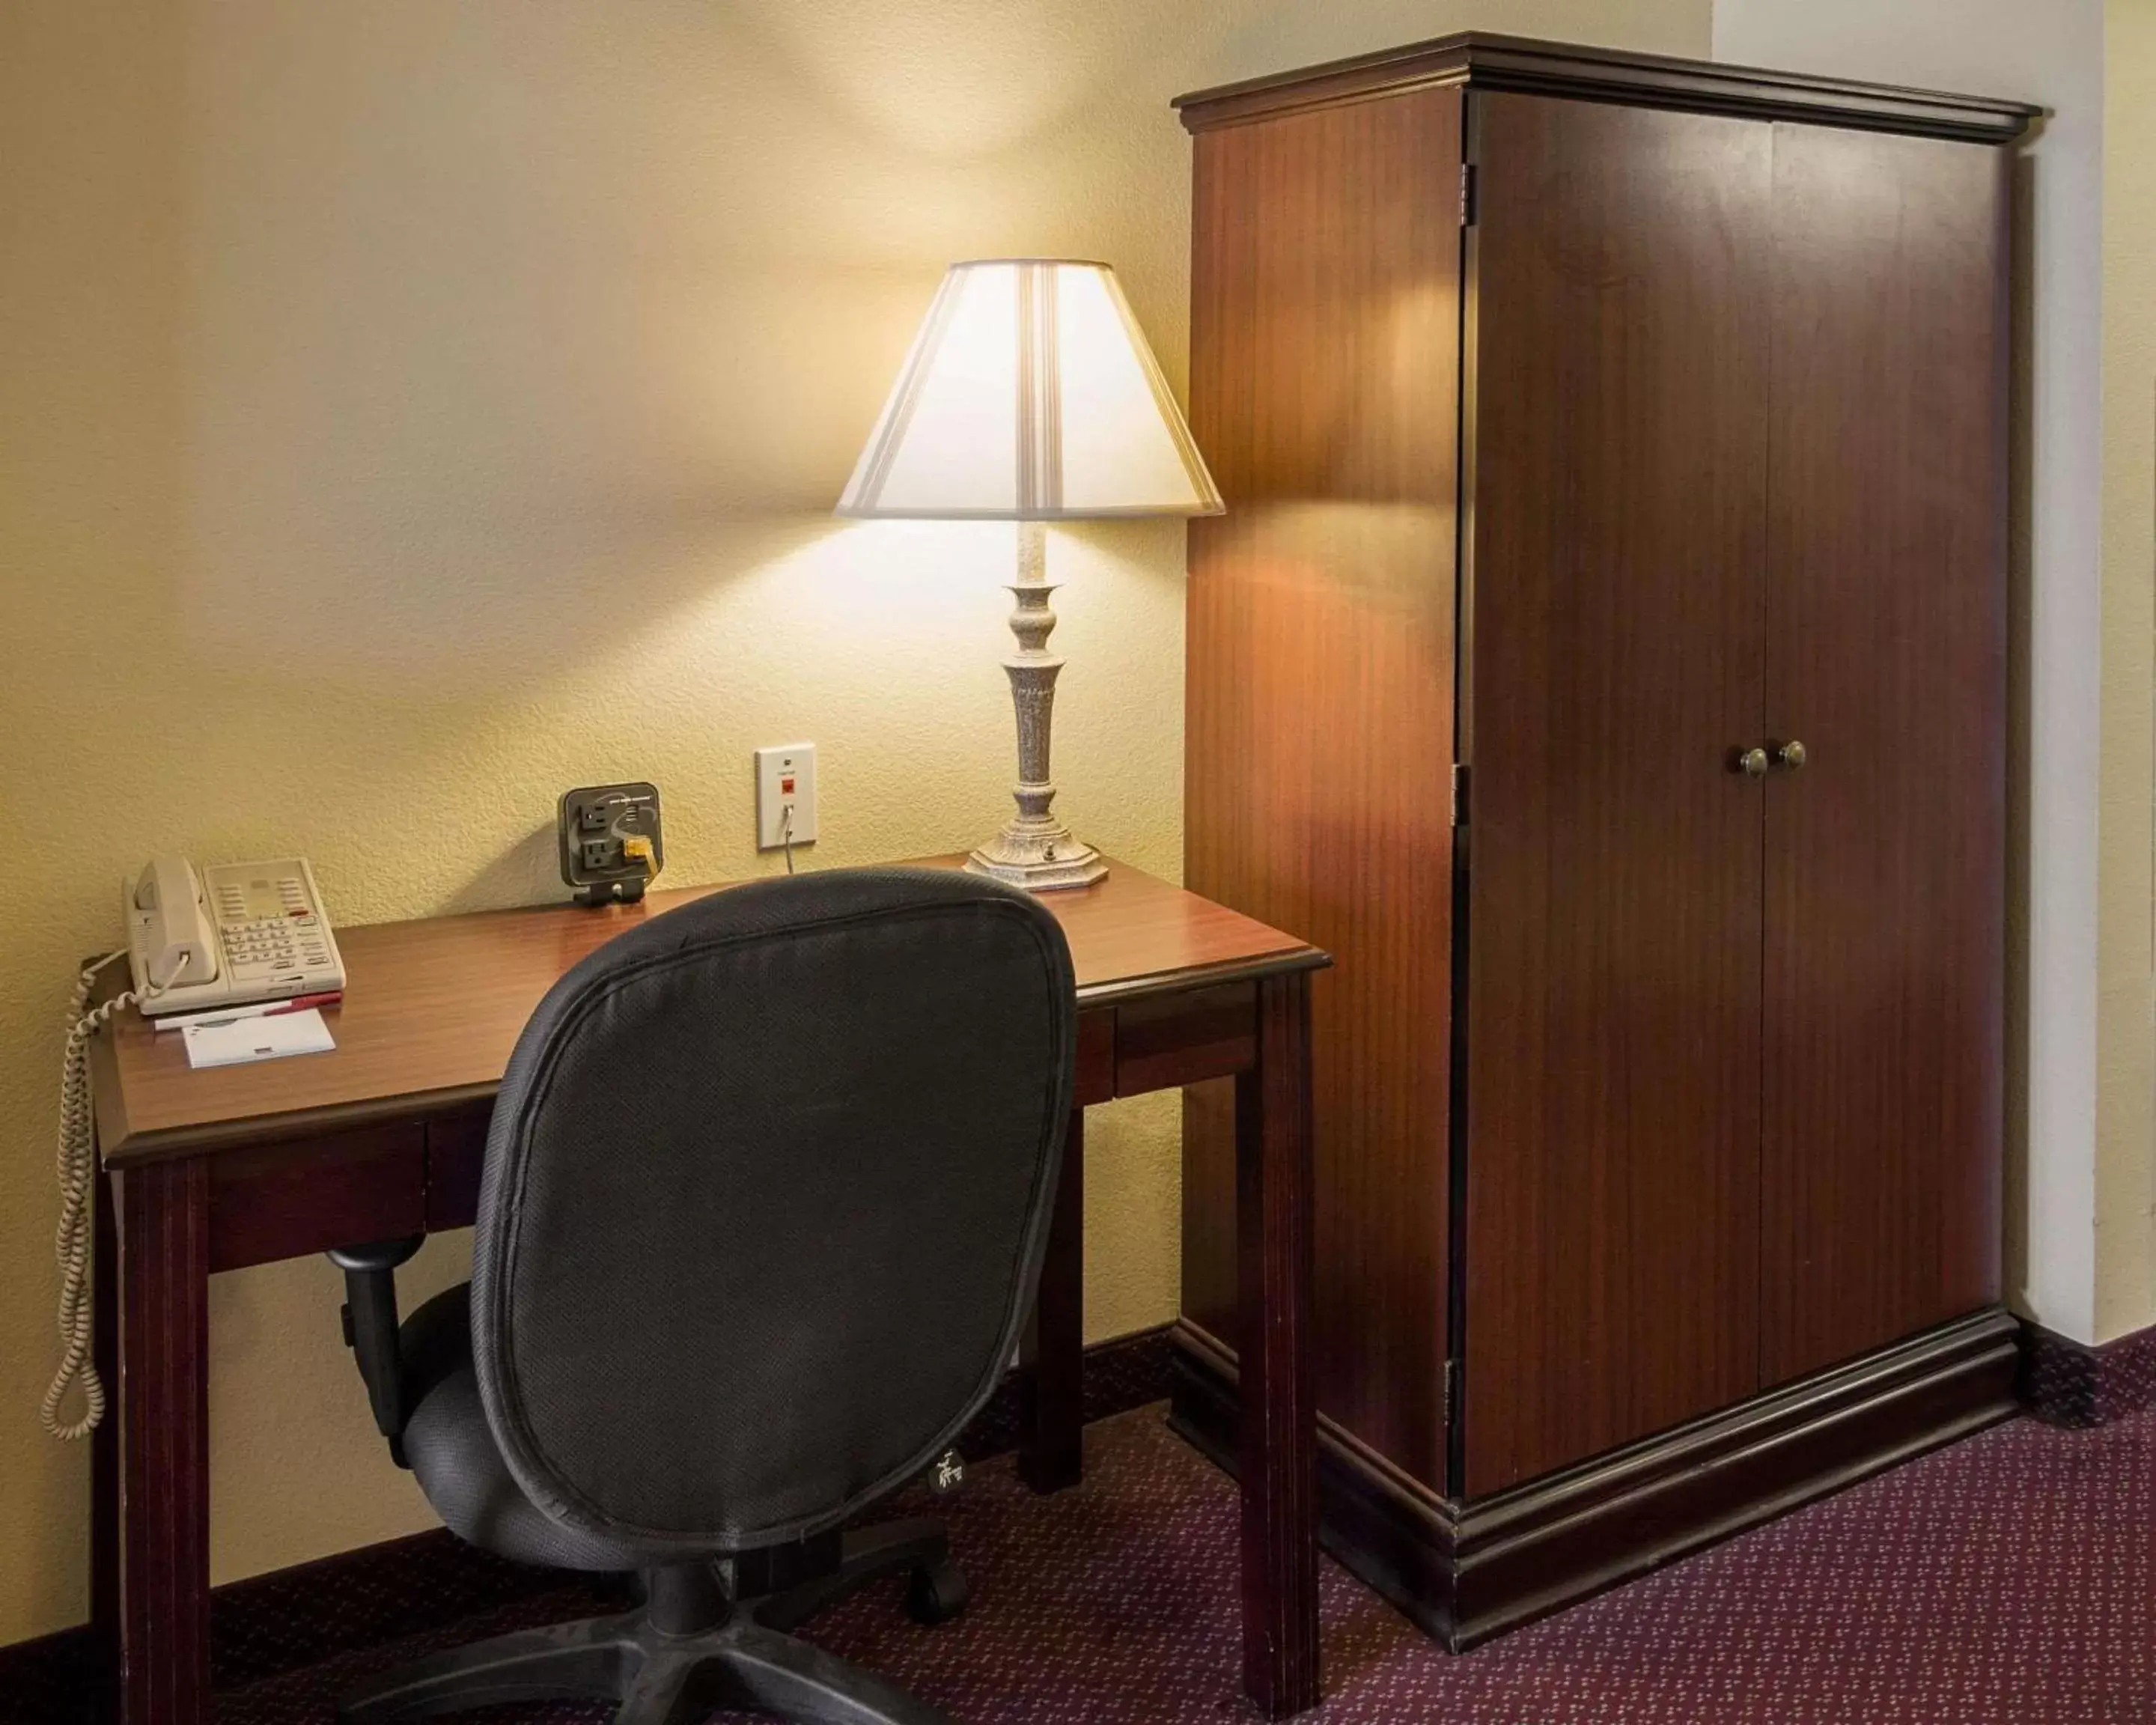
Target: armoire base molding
[1464,1572]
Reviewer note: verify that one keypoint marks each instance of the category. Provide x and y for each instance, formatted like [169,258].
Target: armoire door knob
[1752,763]
[1789,755]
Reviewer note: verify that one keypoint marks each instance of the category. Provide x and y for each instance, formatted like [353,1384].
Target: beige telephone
[223,936]
[227,935]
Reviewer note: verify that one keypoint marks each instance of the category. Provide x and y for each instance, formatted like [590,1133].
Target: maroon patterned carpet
[2009,1579]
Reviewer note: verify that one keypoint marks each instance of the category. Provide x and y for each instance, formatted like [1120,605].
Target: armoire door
[1887,644]
[1613,632]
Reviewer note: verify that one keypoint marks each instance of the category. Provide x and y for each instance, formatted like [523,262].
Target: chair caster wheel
[938,1593]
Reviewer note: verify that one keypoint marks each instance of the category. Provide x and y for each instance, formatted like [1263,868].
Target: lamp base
[1042,858]
[1034,850]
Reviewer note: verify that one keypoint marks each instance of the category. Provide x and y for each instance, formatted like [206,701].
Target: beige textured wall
[411,410]
[2126,1137]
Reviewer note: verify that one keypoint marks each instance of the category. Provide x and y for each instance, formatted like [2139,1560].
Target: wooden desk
[215,1170]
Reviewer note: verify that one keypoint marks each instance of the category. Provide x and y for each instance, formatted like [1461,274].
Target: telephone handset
[227,935]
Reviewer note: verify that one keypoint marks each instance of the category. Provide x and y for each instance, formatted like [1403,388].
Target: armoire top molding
[1482,61]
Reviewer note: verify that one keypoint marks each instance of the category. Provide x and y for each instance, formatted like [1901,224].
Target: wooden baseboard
[1467,1571]
[267,1625]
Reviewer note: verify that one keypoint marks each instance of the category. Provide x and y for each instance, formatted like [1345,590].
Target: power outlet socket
[596,825]
[785,781]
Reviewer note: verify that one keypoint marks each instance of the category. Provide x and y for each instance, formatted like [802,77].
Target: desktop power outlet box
[612,846]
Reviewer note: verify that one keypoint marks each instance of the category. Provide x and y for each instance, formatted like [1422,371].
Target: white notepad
[235,1040]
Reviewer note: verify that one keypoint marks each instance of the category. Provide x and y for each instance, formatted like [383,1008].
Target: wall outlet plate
[595,826]
[785,779]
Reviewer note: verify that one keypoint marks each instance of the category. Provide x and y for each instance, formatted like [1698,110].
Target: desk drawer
[1184,1038]
[456,1157]
[287,1200]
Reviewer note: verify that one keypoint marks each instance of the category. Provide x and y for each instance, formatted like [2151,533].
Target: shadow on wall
[529,873]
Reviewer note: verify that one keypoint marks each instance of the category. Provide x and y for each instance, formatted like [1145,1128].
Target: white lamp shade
[1029,395]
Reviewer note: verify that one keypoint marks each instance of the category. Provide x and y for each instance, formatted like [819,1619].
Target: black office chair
[766,1196]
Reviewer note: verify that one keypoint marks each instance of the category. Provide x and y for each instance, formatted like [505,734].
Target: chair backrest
[766,1197]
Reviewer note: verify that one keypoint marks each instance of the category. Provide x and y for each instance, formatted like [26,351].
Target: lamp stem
[1034,850]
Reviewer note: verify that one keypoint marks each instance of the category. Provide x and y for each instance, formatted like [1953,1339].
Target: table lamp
[1030,396]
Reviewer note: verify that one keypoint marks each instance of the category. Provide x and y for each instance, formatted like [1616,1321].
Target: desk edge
[127,1149]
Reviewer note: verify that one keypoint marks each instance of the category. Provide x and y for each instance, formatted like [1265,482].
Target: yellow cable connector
[638,849]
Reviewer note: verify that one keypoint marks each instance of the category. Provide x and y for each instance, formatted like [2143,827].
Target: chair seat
[457,1464]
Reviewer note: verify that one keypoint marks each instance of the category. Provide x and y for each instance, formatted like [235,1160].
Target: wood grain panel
[1094,1079]
[456,1163]
[432,1009]
[1176,1039]
[1885,853]
[1277,1449]
[1318,739]
[1613,1174]
[285,1200]
[107,1537]
[1052,1353]
[163,1412]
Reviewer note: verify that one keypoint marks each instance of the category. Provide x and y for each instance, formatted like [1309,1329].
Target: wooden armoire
[1604,656]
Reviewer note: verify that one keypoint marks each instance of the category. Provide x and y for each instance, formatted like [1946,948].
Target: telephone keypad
[271,946]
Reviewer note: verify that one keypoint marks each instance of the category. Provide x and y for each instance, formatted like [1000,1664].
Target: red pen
[260,1009]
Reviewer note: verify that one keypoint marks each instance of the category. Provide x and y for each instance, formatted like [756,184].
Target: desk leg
[104,1455]
[1279,1437]
[162,1408]
[1052,1378]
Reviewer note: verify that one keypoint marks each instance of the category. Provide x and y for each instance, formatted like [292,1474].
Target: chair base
[692,1648]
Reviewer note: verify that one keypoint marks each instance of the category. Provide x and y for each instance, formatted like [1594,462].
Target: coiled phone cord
[77,1167]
